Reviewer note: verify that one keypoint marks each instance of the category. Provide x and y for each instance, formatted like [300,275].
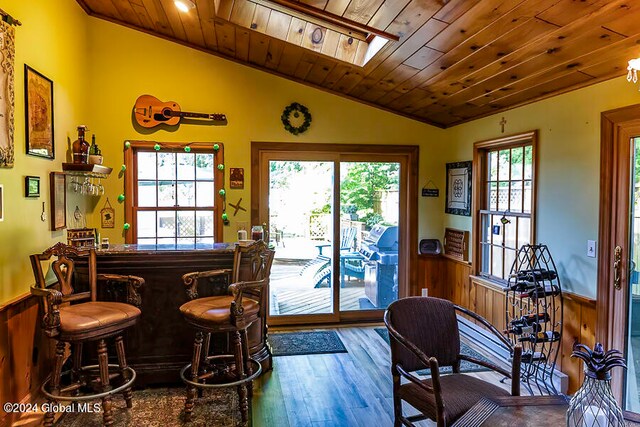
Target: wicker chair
[77,318]
[424,333]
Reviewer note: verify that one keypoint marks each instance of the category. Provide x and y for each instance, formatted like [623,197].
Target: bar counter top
[155,249]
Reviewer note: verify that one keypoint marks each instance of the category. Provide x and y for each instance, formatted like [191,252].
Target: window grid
[515,205]
[188,213]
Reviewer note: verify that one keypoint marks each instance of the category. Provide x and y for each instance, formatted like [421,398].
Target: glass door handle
[617,264]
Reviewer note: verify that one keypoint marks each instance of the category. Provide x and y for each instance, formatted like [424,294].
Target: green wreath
[296,109]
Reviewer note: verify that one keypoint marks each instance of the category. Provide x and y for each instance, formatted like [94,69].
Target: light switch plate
[591,248]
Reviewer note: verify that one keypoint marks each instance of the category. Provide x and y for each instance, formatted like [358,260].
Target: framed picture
[31,186]
[38,93]
[236,178]
[458,188]
[107,215]
[58,201]
[1,203]
[7,94]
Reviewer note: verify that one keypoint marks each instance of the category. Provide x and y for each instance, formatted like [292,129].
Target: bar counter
[161,343]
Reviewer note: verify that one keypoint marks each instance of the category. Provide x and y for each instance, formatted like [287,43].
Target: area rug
[299,343]
[163,407]
[465,366]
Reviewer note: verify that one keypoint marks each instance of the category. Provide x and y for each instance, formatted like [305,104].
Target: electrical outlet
[425,292]
[591,248]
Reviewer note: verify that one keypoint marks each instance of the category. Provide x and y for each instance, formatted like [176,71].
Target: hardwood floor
[341,389]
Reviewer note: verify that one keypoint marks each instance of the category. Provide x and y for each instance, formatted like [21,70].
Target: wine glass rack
[534,313]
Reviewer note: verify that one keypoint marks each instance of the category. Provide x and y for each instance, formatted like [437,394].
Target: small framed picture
[458,188]
[58,201]
[31,186]
[236,178]
[38,113]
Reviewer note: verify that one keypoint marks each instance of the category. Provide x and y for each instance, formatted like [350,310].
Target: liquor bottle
[95,155]
[537,275]
[530,356]
[81,147]
[520,286]
[529,319]
[520,329]
[542,292]
[546,336]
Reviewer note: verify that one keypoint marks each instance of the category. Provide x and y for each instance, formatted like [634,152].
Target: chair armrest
[237,289]
[190,280]
[486,365]
[321,247]
[51,319]
[417,381]
[134,283]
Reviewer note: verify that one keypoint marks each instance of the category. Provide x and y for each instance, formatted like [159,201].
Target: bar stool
[231,314]
[68,319]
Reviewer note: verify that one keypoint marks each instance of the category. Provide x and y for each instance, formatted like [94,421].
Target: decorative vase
[593,405]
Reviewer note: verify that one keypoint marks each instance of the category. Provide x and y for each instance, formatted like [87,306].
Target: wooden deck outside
[311,301]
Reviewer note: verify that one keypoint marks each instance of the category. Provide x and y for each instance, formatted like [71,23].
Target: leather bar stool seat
[214,311]
[99,316]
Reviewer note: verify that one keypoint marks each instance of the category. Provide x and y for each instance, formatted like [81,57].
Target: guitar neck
[217,117]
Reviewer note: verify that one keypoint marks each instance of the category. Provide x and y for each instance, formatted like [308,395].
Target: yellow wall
[99,70]
[53,41]
[126,64]
[568,170]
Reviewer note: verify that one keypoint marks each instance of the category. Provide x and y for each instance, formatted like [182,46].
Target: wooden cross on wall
[502,123]
[237,207]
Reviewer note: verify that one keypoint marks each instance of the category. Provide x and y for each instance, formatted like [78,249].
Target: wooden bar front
[161,343]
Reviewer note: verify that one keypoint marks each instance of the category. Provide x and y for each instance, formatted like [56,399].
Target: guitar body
[149,112]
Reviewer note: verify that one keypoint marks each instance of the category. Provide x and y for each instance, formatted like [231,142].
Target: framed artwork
[31,186]
[1,203]
[458,188]
[38,94]
[236,178]
[7,93]
[107,215]
[58,201]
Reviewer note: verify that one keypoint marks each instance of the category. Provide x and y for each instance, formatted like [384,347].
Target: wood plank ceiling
[456,60]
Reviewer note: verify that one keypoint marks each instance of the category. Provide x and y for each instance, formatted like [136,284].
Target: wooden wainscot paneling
[579,320]
[451,279]
[24,353]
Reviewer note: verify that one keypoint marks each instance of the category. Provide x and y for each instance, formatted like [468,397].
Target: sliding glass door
[334,221]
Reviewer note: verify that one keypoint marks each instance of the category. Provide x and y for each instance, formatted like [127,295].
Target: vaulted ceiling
[454,60]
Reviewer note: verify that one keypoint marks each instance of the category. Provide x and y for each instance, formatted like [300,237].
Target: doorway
[618,299]
[339,219]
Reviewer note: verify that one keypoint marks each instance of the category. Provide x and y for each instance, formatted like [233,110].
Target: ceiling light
[184,5]
[634,66]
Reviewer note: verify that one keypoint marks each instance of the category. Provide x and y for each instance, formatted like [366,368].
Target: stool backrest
[252,262]
[63,268]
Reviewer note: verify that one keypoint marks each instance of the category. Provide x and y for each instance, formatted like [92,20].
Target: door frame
[617,128]
[407,155]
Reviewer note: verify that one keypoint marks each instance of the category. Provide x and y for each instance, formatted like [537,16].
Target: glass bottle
[257,232]
[81,147]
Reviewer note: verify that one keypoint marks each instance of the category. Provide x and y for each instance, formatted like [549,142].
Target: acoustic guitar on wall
[149,112]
